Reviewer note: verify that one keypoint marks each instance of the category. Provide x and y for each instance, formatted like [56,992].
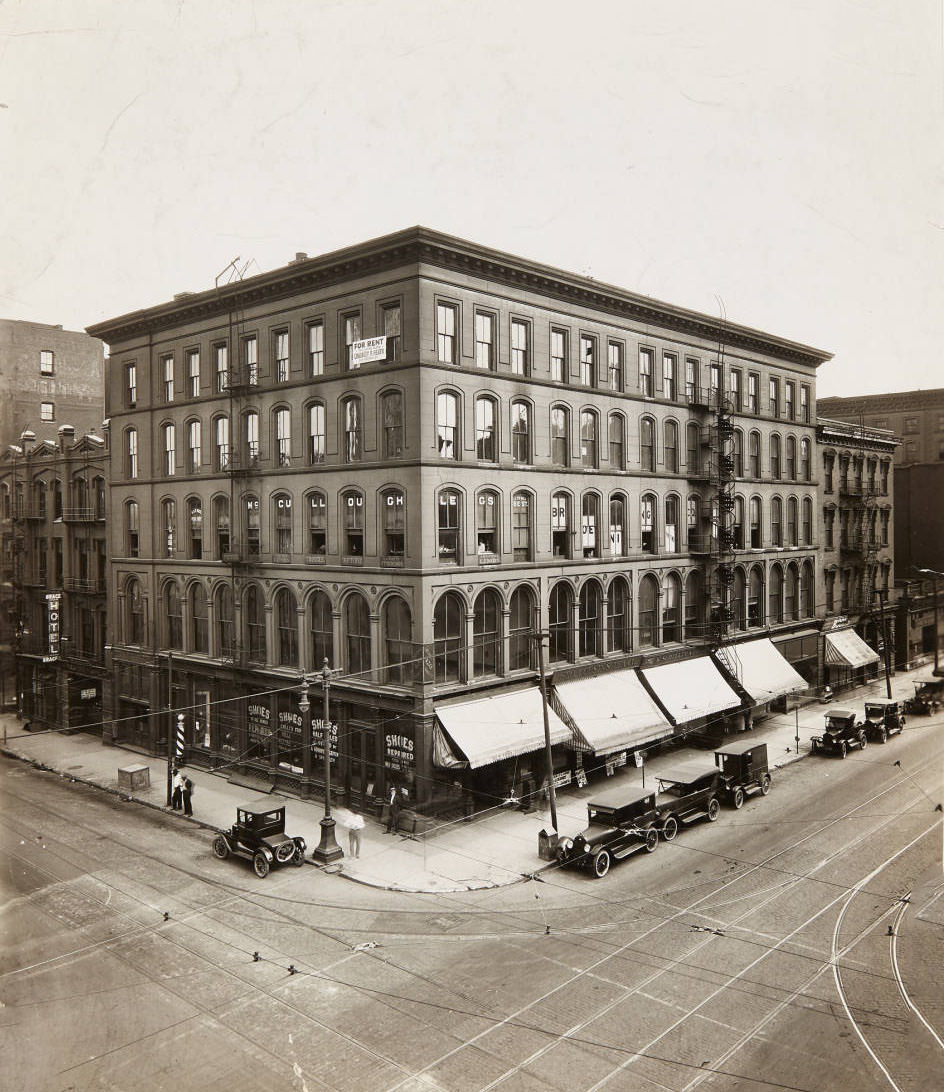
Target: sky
[778,163]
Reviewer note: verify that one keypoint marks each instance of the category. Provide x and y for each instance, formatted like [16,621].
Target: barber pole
[179,741]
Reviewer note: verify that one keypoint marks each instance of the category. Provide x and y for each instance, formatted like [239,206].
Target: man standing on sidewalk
[176,800]
[393,814]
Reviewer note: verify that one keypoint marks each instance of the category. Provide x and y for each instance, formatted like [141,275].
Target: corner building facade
[411,456]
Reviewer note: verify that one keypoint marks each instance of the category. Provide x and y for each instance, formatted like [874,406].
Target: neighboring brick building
[48,377]
[915,416]
[408,457]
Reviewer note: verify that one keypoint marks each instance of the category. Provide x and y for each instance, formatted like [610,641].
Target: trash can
[547,845]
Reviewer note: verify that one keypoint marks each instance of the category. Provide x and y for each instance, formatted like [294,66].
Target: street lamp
[328,849]
[937,638]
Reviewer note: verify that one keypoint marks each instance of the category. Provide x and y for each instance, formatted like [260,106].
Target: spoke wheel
[601,864]
[883,738]
[738,798]
[260,865]
[842,749]
[765,785]
[670,828]
[714,809]
[220,848]
[652,840]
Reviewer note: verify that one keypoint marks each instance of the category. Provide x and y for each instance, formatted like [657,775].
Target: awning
[490,729]
[763,672]
[691,689]
[612,712]
[847,649]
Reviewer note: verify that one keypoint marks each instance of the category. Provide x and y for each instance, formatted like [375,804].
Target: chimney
[66,433]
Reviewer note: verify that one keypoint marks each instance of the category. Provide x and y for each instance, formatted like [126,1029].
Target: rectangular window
[222,443]
[47,362]
[167,375]
[774,397]
[614,364]
[222,367]
[170,452]
[316,349]
[805,404]
[753,382]
[352,333]
[251,352]
[588,371]
[789,399]
[691,378]
[484,341]
[446,333]
[281,356]
[316,433]
[194,445]
[392,331]
[193,371]
[317,524]
[716,383]
[132,452]
[559,367]
[669,364]
[47,411]
[521,527]
[735,387]
[283,438]
[645,372]
[486,524]
[131,384]
[520,348]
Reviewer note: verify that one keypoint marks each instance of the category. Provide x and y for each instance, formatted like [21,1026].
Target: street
[771,949]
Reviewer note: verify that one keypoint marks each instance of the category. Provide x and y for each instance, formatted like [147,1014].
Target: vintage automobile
[744,771]
[613,832]
[883,718]
[689,791]
[929,693]
[259,835]
[842,731]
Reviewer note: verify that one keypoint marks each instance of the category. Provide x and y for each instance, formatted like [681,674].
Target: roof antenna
[235,271]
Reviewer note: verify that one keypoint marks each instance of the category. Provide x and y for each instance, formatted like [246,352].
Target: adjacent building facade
[915,416]
[409,459]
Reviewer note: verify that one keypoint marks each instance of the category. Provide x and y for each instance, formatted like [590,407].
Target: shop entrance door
[362,784]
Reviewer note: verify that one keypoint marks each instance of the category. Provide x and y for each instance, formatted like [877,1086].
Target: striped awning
[612,712]
[691,689]
[847,649]
[760,669]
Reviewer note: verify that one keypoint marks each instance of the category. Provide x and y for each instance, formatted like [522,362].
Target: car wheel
[298,857]
[842,749]
[220,848]
[883,738]
[285,852]
[863,740]
[601,864]
[670,828]
[652,840]
[714,809]
[813,747]
[737,798]
[765,785]
[261,865]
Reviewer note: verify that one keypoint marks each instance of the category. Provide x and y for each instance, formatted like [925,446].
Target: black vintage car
[927,697]
[689,791]
[613,832]
[842,731]
[744,770]
[259,834]
[883,718]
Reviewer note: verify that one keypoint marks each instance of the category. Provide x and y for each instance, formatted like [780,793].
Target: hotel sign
[53,600]
[368,350]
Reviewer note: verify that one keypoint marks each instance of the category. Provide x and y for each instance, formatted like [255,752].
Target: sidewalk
[496,849]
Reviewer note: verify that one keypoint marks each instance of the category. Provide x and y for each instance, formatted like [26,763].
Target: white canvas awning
[612,712]
[847,649]
[763,672]
[691,689]
[490,729]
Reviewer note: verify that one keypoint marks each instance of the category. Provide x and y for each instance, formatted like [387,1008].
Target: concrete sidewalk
[497,848]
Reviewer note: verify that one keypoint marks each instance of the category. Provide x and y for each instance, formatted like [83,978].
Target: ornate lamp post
[328,849]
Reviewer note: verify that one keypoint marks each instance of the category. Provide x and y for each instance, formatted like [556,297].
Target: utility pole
[882,594]
[328,849]
[170,728]
[539,638]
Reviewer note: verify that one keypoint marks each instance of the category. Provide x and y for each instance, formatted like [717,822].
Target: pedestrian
[178,785]
[187,793]
[355,826]
[393,813]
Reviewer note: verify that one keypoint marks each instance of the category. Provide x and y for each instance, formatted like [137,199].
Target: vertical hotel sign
[53,600]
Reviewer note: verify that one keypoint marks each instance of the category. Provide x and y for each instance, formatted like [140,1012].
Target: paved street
[751,953]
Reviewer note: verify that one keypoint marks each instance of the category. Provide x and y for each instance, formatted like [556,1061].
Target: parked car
[613,832]
[883,718]
[689,791]
[928,696]
[842,731]
[744,770]
[259,835]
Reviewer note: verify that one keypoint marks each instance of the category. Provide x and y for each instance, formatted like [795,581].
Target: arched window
[756,527]
[195,522]
[520,432]
[352,419]
[254,612]
[486,438]
[589,454]
[398,641]
[648,617]
[199,633]
[647,444]
[619,616]
[194,446]
[739,599]
[352,523]
[670,446]
[775,595]
[173,616]
[393,521]
[739,523]
[487,512]
[619,531]
[486,633]
[647,523]
[251,426]
[136,619]
[753,442]
[672,609]
[807,521]
[776,522]
[320,630]
[560,616]
[449,638]
[282,419]
[793,530]
[286,622]
[316,433]
[282,514]
[391,416]
[225,621]
[448,526]
[131,528]
[590,525]
[738,453]
[169,526]
[560,436]
[616,429]
[671,524]
[357,635]
[252,531]
[221,443]
[560,525]
[521,526]
[131,453]
[791,458]
[808,588]
[805,465]
[447,427]
[694,613]
[755,597]
[692,520]
[791,606]
[692,449]
[590,620]
[169,444]
[775,466]
[317,507]
[520,625]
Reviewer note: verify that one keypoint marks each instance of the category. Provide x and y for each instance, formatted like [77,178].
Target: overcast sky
[782,158]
